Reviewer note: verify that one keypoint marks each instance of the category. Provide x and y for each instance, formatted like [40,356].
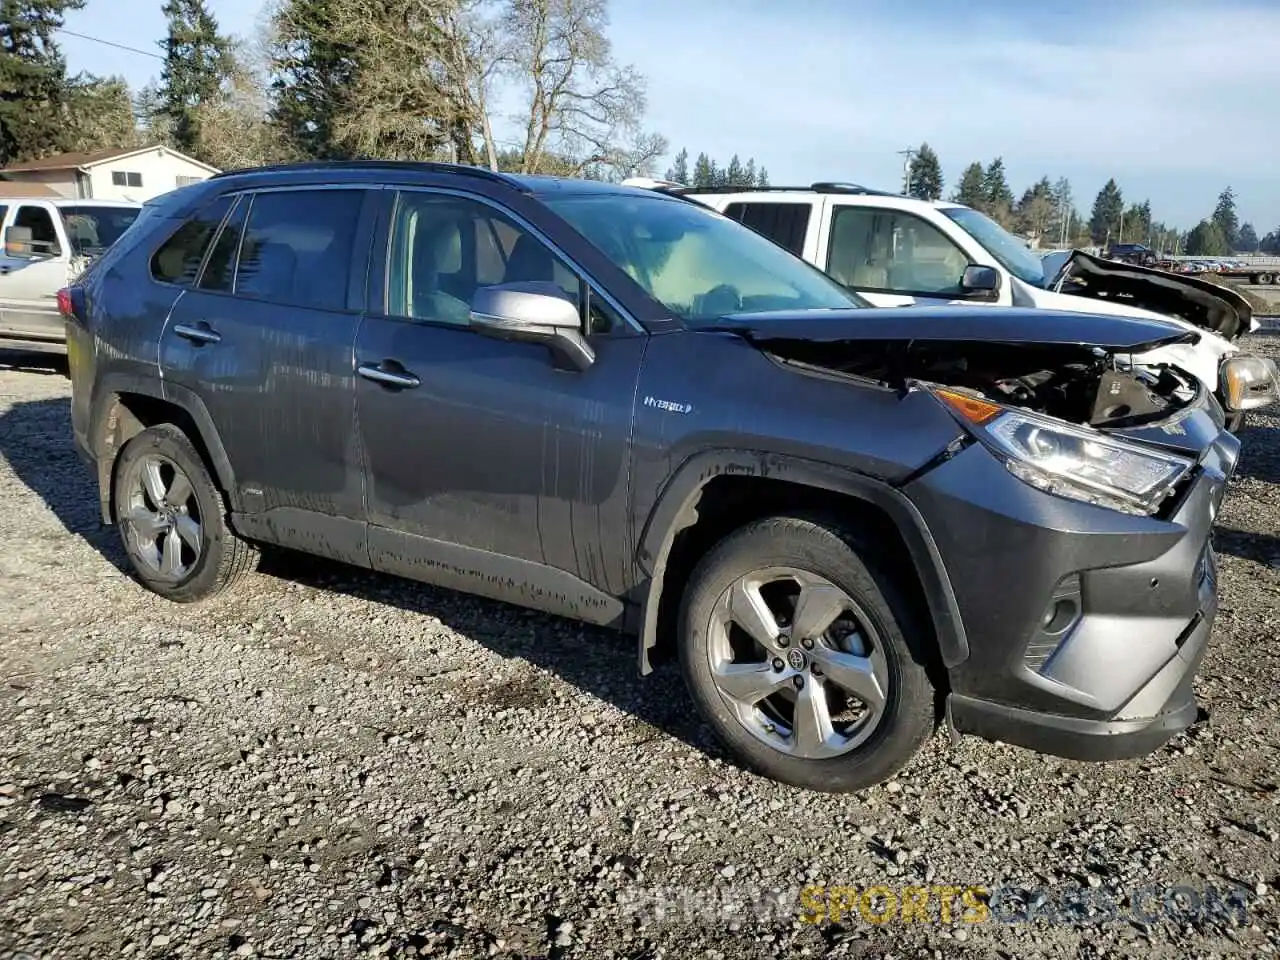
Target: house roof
[20,190]
[81,161]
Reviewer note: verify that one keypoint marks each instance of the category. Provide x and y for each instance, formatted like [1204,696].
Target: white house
[136,175]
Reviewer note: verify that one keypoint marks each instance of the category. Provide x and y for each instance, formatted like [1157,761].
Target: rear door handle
[200,333]
[391,378]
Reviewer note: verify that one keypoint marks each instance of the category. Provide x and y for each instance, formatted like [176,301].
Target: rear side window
[178,260]
[220,267]
[784,223]
[297,247]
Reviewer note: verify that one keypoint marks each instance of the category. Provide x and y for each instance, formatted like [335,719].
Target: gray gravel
[329,764]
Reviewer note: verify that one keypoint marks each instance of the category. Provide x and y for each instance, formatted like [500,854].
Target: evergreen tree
[313,71]
[971,190]
[998,195]
[762,178]
[703,173]
[197,63]
[34,92]
[1247,239]
[679,171]
[1271,242]
[1104,223]
[749,172]
[734,174]
[1207,240]
[1224,215]
[924,176]
[101,115]
[1034,213]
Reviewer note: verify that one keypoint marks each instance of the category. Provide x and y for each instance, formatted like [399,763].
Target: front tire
[173,518]
[799,650]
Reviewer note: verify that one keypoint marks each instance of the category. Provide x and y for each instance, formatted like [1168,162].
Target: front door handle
[391,378]
[200,333]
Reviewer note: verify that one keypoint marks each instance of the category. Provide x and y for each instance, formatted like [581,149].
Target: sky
[1173,101]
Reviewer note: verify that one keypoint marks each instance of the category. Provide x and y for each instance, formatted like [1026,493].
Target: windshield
[92,229]
[700,265]
[1010,252]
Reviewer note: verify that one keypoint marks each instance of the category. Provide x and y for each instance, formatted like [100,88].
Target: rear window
[786,224]
[178,260]
[92,229]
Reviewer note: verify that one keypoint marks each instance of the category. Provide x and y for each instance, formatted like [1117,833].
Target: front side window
[890,251]
[444,248]
[700,265]
[297,247]
[91,229]
[44,238]
[178,259]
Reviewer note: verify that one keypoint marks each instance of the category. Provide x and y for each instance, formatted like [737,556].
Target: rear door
[31,275]
[264,338]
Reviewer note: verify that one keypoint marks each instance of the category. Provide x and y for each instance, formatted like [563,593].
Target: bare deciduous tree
[580,102]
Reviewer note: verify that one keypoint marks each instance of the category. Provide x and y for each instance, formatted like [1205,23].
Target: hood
[1199,302]
[1001,325]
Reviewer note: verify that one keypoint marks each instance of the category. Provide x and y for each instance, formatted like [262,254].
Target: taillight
[64,303]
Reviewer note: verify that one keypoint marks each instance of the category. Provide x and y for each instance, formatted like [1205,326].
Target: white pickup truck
[47,244]
[898,251]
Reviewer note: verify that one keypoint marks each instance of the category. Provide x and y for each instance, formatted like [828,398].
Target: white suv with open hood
[901,251]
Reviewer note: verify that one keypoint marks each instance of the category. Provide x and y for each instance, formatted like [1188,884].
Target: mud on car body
[614,405]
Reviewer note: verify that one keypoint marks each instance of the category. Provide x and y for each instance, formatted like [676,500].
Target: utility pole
[907,155]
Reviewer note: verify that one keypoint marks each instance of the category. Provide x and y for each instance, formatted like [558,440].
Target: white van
[47,244]
[898,251]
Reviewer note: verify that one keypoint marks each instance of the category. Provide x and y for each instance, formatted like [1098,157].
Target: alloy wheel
[164,518]
[798,662]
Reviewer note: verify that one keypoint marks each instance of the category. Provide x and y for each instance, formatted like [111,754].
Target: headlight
[1070,461]
[1248,382]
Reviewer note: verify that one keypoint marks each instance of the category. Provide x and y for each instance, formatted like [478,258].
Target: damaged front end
[1062,405]
[1072,516]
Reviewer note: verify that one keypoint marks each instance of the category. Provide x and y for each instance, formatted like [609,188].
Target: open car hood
[1199,302]
[1002,325]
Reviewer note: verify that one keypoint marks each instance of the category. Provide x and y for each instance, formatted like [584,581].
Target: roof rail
[822,186]
[424,166]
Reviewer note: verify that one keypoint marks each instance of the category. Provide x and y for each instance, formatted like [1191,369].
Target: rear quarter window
[178,259]
[786,224]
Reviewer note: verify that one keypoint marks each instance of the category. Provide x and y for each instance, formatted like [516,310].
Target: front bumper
[1085,626]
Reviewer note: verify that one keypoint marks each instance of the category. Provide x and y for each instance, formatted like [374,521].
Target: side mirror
[533,312]
[980,283]
[18,242]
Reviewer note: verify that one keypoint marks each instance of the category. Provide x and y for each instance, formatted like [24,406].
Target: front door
[264,338]
[891,257]
[490,468]
[31,277]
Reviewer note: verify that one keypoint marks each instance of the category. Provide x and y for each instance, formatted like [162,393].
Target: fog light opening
[1060,615]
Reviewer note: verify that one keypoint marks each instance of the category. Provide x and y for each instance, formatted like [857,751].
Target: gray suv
[613,405]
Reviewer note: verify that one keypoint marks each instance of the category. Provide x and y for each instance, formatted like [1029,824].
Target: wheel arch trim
[676,509]
[113,424]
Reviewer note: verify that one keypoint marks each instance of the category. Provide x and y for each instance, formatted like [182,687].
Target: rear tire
[795,710]
[173,518]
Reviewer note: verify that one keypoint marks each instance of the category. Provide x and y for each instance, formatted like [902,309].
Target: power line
[118,46]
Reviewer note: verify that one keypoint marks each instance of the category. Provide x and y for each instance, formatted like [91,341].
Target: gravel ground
[328,764]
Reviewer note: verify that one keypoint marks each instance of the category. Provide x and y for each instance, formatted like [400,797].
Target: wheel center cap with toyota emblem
[796,659]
